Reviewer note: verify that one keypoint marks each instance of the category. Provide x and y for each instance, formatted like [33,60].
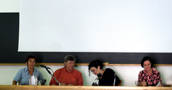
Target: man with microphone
[67,75]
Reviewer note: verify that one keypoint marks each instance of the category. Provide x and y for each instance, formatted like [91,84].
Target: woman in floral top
[149,76]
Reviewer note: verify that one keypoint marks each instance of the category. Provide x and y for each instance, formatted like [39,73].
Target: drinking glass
[39,82]
[136,83]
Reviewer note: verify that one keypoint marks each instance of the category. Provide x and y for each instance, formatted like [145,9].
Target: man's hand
[70,85]
[62,84]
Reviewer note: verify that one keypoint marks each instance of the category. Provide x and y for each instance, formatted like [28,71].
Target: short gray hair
[69,57]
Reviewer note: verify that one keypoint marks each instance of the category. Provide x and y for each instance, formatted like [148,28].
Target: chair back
[120,83]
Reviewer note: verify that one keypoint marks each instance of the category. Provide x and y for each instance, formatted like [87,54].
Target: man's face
[69,65]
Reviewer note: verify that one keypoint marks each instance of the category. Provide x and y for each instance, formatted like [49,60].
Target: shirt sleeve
[80,79]
[40,77]
[18,76]
[108,78]
[158,78]
[53,82]
[117,81]
[140,77]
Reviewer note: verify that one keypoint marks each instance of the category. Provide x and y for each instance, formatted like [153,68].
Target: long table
[27,87]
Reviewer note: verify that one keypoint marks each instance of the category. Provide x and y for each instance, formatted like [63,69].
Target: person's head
[69,62]
[31,61]
[147,63]
[95,67]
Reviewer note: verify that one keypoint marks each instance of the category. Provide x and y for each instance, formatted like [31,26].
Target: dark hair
[145,59]
[69,57]
[95,64]
[31,56]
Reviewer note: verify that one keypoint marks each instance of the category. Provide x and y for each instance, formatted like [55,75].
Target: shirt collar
[67,71]
[26,69]
[34,70]
[153,70]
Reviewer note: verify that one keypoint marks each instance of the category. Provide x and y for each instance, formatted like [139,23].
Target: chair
[120,83]
[115,81]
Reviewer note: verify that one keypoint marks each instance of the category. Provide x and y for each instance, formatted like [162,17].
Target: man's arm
[80,79]
[52,81]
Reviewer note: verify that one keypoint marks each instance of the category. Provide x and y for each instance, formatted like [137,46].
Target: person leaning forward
[106,77]
[67,75]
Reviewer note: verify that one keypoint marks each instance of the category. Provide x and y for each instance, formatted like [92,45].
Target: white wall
[128,74]
[9,5]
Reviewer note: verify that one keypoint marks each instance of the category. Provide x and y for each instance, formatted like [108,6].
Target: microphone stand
[53,76]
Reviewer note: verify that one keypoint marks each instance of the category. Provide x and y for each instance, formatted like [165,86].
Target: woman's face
[31,63]
[95,70]
[147,65]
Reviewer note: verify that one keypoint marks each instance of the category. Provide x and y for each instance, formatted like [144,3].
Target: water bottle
[32,80]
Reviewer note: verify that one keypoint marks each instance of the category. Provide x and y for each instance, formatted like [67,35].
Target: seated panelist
[67,75]
[149,76]
[107,77]
[23,75]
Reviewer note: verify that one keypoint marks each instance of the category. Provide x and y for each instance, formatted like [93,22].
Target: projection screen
[95,26]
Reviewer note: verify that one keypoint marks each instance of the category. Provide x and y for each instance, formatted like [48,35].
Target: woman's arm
[107,78]
[140,80]
[159,80]
[14,82]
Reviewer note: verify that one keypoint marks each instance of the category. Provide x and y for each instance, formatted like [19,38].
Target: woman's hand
[143,83]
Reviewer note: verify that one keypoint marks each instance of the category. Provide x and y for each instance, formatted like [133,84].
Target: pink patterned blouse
[152,80]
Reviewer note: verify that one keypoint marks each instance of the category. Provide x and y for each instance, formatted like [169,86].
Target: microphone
[50,73]
[44,66]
